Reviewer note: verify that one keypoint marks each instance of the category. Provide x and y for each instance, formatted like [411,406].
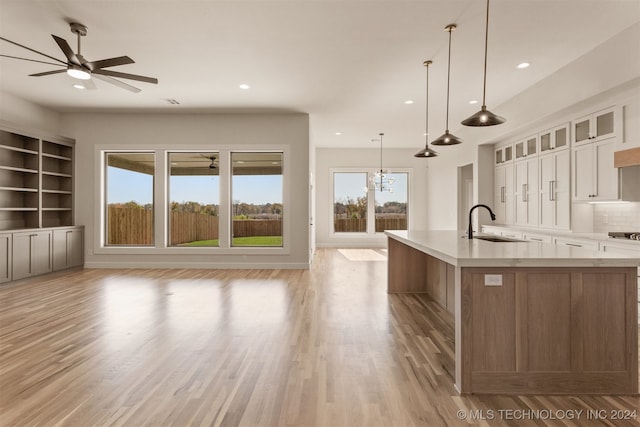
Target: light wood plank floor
[319,347]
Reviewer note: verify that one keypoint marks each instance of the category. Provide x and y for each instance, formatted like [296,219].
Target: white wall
[25,115]
[97,131]
[328,158]
[609,70]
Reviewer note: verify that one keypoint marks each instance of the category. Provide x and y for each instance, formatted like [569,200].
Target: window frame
[370,201]
[161,199]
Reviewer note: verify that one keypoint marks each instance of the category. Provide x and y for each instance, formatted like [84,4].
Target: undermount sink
[497,239]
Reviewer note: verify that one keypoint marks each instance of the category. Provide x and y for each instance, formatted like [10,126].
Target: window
[350,202]
[256,195]
[391,207]
[194,198]
[129,198]
[360,207]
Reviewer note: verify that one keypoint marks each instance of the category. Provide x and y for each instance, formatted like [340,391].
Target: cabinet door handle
[502,194]
[574,245]
[535,239]
[551,191]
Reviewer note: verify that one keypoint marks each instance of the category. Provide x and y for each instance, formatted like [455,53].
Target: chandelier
[381,181]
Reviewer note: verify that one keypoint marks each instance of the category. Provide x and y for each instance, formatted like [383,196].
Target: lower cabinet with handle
[576,243]
[31,254]
[40,251]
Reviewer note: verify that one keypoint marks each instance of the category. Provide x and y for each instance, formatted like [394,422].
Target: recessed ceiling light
[523,65]
[244,86]
[473,101]
[338,133]
[408,102]
[79,86]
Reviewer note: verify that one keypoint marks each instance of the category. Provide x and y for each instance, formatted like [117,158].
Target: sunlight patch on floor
[362,255]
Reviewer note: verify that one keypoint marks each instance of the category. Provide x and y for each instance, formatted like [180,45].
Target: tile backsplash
[616,217]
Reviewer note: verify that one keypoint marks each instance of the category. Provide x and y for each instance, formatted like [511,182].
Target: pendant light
[381,181]
[448,138]
[426,152]
[484,117]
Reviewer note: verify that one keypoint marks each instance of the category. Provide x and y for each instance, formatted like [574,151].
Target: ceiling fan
[78,67]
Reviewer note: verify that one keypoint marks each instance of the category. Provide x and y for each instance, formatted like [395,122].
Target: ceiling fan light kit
[484,117]
[78,67]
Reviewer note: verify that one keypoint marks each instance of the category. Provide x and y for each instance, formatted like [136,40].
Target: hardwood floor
[320,347]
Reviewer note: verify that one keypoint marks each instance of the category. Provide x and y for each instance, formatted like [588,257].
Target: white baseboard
[197,265]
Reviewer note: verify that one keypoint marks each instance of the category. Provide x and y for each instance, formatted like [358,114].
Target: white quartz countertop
[453,248]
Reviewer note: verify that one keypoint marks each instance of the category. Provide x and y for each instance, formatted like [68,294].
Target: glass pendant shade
[426,152]
[448,138]
[484,117]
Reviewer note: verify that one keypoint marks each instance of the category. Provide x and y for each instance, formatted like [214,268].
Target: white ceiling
[350,64]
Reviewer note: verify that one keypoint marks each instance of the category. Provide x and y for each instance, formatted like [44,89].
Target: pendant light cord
[486,44]
[426,119]
[450,29]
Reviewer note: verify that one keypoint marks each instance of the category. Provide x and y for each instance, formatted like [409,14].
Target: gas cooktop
[625,235]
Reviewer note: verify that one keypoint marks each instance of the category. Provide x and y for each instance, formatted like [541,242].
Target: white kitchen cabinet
[68,247]
[503,194]
[595,127]
[5,257]
[526,147]
[594,177]
[504,154]
[554,190]
[554,139]
[621,248]
[534,237]
[31,253]
[526,194]
[491,230]
[577,243]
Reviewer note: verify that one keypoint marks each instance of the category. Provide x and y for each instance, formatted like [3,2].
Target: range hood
[628,164]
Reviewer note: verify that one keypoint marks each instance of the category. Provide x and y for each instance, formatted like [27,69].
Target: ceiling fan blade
[87,84]
[33,50]
[111,62]
[126,76]
[115,82]
[30,60]
[66,49]
[46,73]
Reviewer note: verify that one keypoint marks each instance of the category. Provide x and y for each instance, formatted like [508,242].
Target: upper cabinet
[526,147]
[36,181]
[594,177]
[595,127]
[554,139]
[504,154]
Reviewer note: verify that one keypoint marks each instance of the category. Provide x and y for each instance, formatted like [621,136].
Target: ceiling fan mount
[78,29]
[78,67]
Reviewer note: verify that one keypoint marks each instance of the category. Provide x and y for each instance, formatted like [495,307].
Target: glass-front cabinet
[595,127]
[504,154]
[526,147]
[555,138]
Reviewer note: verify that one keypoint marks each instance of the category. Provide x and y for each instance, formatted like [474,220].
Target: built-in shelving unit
[37,231]
[36,181]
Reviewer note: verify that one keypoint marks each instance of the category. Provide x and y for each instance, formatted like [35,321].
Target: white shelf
[11,168]
[55,209]
[22,209]
[21,150]
[56,191]
[64,175]
[23,189]
[55,156]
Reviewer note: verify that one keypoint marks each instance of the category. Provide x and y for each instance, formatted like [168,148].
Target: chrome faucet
[493,218]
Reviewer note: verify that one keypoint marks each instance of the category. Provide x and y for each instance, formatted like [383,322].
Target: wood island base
[531,330]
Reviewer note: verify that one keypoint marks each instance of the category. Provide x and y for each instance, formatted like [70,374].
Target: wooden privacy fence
[359,225]
[134,226]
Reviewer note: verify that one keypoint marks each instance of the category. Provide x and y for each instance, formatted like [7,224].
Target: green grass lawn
[242,241]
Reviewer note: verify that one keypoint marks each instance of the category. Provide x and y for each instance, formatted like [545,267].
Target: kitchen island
[530,317]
